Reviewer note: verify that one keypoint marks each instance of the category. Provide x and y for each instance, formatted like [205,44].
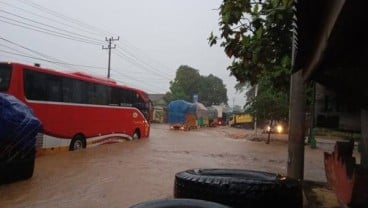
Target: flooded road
[123,174]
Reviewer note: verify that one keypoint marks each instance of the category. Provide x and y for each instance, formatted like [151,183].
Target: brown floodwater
[124,174]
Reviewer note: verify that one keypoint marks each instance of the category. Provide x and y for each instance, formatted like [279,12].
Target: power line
[46,31]
[11,48]
[35,52]
[74,21]
[40,23]
[51,19]
[28,49]
[132,58]
[75,65]
[137,62]
[54,62]
[61,16]
[50,33]
[80,23]
[139,51]
[124,75]
[64,63]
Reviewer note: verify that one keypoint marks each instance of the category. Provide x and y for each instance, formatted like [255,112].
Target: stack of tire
[239,188]
[18,129]
[220,188]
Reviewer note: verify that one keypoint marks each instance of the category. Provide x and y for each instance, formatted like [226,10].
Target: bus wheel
[136,135]
[77,143]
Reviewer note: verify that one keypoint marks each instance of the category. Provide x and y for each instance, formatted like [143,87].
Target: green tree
[212,91]
[189,82]
[257,35]
[185,84]
[269,104]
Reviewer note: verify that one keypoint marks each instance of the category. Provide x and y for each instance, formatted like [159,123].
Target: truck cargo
[182,115]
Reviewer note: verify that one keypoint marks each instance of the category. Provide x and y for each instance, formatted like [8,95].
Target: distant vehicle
[241,120]
[276,127]
[219,119]
[76,109]
[212,116]
[182,115]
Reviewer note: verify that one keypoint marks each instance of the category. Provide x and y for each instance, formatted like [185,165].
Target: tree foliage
[269,104]
[189,82]
[257,35]
[185,84]
[212,91]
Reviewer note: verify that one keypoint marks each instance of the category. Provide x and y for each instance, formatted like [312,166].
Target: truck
[219,118]
[212,116]
[241,120]
[182,115]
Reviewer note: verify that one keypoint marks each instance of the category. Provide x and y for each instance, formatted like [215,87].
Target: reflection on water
[120,175]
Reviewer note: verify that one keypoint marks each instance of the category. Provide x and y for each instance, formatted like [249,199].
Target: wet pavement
[123,174]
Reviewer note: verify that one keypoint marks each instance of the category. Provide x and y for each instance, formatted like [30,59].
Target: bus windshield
[5,72]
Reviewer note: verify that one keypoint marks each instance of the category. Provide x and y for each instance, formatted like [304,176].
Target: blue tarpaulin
[177,110]
[18,124]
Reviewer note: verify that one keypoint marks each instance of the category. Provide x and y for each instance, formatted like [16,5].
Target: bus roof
[82,76]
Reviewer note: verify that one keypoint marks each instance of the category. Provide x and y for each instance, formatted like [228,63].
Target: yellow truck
[241,120]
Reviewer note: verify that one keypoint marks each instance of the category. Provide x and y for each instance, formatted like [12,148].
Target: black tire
[239,188]
[18,166]
[77,143]
[178,203]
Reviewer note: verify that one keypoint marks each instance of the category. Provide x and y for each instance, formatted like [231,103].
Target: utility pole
[109,47]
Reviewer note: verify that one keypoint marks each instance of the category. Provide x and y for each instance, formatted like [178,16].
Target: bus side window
[5,75]
[54,88]
[35,85]
[67,90]
[79,92]
[115,95]
[101,95]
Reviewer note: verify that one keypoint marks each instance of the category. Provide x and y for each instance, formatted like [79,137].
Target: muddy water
[120,175]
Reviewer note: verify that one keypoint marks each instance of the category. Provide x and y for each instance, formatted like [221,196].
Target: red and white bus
[77,110]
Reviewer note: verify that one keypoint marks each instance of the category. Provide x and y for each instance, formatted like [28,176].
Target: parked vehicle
[76,109]
[182,115]
[241,120]
[18,129]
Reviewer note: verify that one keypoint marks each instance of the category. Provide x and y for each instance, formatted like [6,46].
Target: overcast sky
[156,37]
